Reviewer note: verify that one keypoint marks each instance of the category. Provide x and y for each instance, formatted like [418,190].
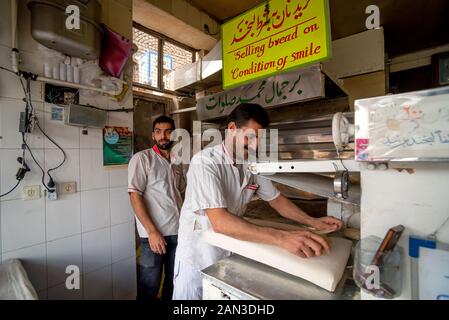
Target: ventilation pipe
[14,41]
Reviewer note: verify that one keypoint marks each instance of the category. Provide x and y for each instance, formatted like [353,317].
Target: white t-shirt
[160,184]
[213,181]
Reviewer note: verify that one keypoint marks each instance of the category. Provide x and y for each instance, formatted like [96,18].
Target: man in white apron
[155,186]
[218,191]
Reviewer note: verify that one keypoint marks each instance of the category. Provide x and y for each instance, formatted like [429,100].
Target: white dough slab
[325,271]
[14,282]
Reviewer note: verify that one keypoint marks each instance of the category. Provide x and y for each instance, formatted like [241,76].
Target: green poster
[117,146]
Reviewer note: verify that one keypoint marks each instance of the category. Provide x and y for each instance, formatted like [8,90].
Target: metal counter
[251,280]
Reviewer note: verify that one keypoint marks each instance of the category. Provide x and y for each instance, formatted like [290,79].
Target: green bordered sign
[117,146]
[275,37]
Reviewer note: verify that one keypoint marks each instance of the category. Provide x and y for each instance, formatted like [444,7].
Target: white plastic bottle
[55,71]
[69,73]
[62,72]
[47,70]
[76,74]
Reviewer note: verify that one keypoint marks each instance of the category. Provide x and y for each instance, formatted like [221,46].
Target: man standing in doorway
[154,187]
[219,187]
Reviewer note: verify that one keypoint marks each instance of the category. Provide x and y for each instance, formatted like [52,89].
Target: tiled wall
[93,228]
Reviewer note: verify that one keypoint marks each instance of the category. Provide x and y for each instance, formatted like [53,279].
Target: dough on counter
[284,226]
[325,271]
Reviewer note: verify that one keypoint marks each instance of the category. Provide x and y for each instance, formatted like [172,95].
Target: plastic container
[62,72]
[383,280]
[115,53]
[76,75]
[48,70]
[55,71]
[69,73]
[48,27]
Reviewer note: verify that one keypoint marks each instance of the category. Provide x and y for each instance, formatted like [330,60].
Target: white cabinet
[212,292]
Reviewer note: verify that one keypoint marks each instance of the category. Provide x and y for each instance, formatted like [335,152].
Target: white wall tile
[93,139]
[123,241]
[93,174]
[23,224]
[124,279]
[118,177]
[8,169]
[34,263]
[95,210]
[61,254]
[63,216]
[121,210]
[10,86]
[121,119]
[98,285]
[9,117]
[60,292]
[69,171]
[67,137]
[96,249]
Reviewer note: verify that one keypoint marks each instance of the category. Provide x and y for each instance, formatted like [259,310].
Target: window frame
[160,59]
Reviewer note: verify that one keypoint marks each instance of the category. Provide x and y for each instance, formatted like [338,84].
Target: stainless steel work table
[250,280]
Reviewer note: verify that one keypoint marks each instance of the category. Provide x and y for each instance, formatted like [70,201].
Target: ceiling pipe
[14,41]
[78,86]
[192,109]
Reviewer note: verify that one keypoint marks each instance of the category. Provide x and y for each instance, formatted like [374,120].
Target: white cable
[439,228]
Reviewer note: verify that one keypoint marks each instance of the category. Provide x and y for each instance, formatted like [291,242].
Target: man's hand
[289,210]
[304,243]
[155,239]
[157,242]
[326,224]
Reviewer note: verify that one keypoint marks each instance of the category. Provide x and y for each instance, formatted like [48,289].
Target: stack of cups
[76,74]
[62,71]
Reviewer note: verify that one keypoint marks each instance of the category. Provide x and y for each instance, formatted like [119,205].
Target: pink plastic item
[115,52]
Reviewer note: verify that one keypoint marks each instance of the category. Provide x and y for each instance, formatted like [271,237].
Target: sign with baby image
[117,146]
[409,127]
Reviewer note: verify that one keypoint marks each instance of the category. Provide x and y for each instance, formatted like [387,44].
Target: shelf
[252,280]
[81,86]
[316,184]
[315,166]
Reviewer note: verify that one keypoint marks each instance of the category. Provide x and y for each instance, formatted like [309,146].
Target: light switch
[31,193]
[66,187]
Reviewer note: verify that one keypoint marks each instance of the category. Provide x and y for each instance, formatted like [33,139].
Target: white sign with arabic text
[287,88]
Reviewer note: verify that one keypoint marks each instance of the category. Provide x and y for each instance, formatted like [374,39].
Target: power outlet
[31,193]
[66,187]
[52,196]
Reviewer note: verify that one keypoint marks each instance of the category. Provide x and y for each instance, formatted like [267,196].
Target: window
[174,58]
[149,70]
[146,59]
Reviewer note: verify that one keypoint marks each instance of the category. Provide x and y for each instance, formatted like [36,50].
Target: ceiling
[222,10]
[158,20]
[410,25]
